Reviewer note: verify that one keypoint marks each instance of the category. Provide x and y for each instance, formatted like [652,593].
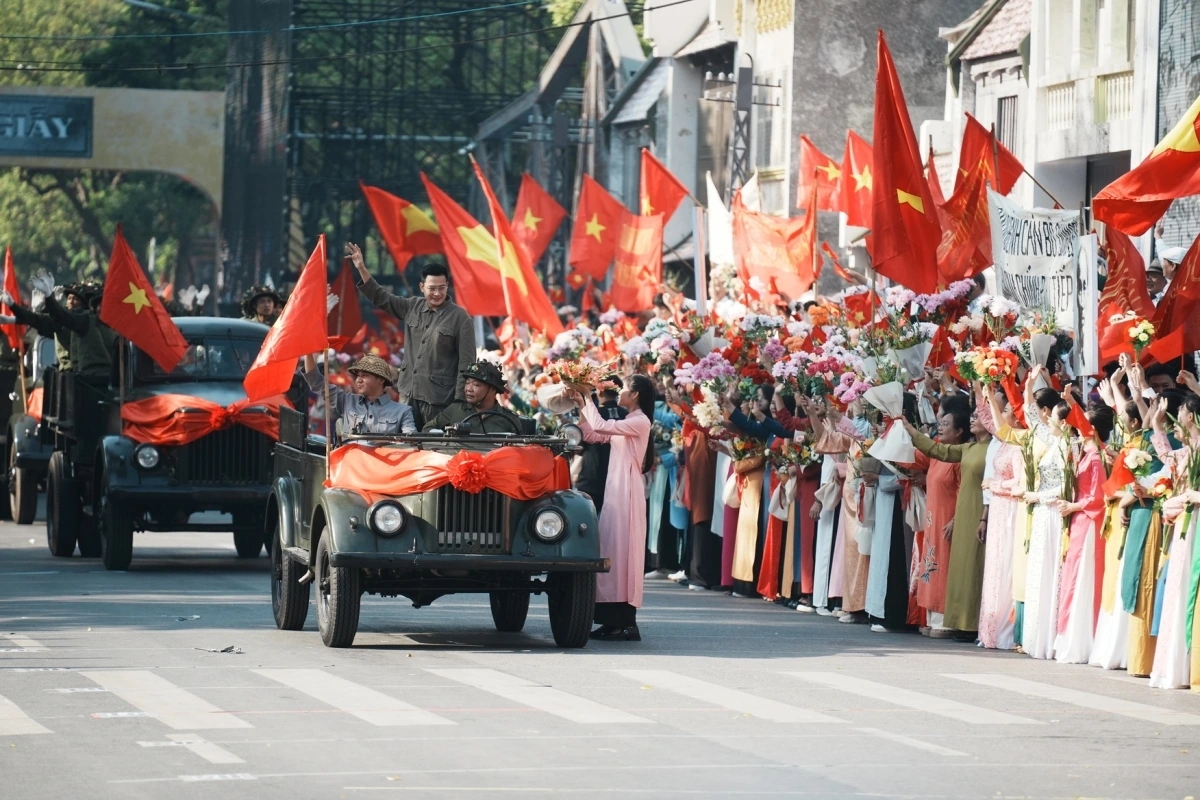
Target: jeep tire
[62,508]
[116,535]
[289,597]
[571,597]
[509,610]
[248,542]
[339,597]
[22,491]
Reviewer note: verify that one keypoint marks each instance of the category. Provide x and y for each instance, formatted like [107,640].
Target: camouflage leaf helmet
[373,365]
[250,298]
[487,372]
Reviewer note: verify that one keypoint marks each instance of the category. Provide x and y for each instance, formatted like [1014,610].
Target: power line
[293,29]
[78,66]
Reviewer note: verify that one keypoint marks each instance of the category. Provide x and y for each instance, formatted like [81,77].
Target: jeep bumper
[412,562]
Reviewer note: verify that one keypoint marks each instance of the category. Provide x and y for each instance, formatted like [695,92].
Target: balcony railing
[1060,106]
[1114,97]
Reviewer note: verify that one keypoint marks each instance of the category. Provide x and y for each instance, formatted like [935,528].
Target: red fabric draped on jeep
[522,473]
[161,419]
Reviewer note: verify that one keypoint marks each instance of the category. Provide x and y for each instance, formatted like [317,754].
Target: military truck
[103,486]
[349,540]
[27,451]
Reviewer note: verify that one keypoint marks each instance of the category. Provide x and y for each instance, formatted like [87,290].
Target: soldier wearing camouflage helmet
[261,304]
[483,383]
[84,343]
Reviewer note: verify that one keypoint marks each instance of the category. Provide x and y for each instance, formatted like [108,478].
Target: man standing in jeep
[439,338]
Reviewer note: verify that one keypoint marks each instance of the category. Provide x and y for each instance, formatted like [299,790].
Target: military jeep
[26,452]
[425,545]
[102,486]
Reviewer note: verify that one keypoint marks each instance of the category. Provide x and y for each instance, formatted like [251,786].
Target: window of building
[1006,121]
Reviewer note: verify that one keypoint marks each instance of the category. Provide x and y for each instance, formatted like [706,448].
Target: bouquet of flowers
[758,328]
[785,453]
[744,448]
[1139,461]
[1070,458]
[573,343]
[1191,479]
[1160,490]
[850,387]
[999,315]
[944,305]
[582,376]
[1140,334]
[750,379]
[986,364]
[1031,474]
[712,372]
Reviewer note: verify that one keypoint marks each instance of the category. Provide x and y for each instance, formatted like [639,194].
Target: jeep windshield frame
[234,353]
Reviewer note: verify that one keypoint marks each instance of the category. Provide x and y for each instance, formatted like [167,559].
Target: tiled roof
[1004,33]
[709,38]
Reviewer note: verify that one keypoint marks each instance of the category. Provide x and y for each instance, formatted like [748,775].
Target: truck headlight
[572,433]
[146,456]
[387,518]
[549,524]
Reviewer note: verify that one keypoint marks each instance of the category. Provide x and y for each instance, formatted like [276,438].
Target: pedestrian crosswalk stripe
[543,698]
[21,643]
[732,699]
[175,707]
[1113,705]
[917,701]
[368,705]
[15,722]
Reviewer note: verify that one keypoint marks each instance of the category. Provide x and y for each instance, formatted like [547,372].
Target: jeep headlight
[549,524]
[146,456]
[387,518]
[572,433]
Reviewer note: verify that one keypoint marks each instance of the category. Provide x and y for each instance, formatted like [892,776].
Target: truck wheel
[248,542]
[22,492]
[509,610]
[62,508]
[289,598]
[90,545]
[339,597]
[572,600]
[116,536]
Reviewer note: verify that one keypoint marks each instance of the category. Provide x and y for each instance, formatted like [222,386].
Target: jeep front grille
[234,455]
[472,523]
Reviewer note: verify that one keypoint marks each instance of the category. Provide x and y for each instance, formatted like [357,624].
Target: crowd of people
[906,462]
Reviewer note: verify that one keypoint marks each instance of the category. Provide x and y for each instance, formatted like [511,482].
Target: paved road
[110,687]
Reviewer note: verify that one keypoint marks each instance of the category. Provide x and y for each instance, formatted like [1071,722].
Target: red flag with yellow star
[471,255]
[904,224]
[1134,201]
[981,151]
[856,181]
[535,219]
[130,307]
[523,293]
[638,273]
[406,229]
[777,251]
[299,331]
[597,227]
[659,191]
[12,332]
[821,171]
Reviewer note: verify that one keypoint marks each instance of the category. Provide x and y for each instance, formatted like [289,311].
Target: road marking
[732,699]
[1125,708]
[23,642]
[368,705]
[177,708]
[928,747]
[231,776]
[543,698]
[205,749]
[79,690]
[914,700]
[15,722]
[121,714]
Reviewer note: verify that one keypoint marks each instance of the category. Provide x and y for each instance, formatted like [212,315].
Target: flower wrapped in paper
[894,444]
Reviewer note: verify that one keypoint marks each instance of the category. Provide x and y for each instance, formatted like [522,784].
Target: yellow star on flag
[913,200]
[530,221]
[862,180]
[647,209]
[137,298]
[1183,136]
[594,228]
[832,172]
[481,246]
[417,221]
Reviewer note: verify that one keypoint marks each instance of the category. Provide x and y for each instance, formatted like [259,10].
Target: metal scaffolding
[378,103]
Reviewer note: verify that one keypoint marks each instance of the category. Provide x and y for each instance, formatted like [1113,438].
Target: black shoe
[603,631]
[630,634]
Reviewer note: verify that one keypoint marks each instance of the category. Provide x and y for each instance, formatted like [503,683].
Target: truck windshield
[216,358]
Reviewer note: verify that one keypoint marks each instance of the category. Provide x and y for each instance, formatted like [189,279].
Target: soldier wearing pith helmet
[483,383]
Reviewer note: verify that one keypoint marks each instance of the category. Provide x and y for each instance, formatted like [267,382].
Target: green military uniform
[250,300]
[488,373]
[88,343]
[455,413]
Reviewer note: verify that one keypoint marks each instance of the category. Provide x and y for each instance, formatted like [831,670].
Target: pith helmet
[251,297]
[373,365]
[487,372]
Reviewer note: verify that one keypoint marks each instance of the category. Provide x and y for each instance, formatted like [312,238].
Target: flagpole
[328,429]
[21,373]
[121,342]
